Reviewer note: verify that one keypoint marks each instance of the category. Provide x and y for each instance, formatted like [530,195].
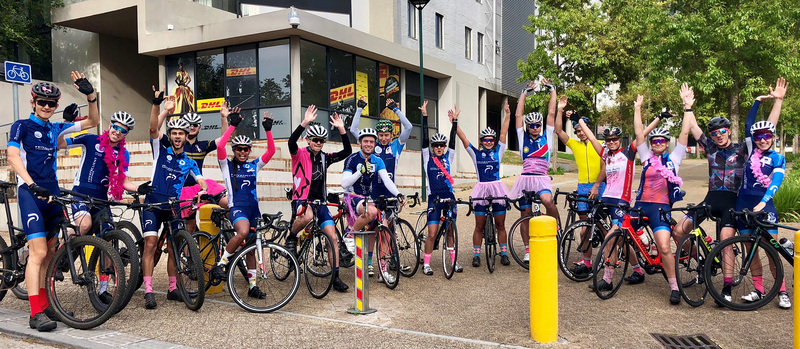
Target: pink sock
[783,286]
[148,284]
[758,282]
[427,259]
[608,275]
[527,250]
[587,262]
[673,283]
[173,283]
[726,281]
[452,256]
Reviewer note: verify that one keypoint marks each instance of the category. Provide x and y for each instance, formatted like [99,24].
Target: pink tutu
[530,183]
[189,192]
[486,189]
[351,201]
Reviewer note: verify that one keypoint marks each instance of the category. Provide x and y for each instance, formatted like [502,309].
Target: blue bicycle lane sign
[17,72]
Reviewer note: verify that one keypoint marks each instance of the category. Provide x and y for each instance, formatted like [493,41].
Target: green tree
[24,25]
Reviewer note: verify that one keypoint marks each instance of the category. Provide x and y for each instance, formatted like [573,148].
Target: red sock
[43,299]
[36,306]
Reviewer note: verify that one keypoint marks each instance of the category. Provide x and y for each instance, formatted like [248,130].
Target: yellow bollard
[543,279]
[794,290]
[205,224]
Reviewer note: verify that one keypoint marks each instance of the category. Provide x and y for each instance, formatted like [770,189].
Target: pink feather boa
[755,166]
[655,162]
[116,162]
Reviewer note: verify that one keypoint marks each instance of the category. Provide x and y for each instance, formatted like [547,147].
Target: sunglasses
[49,104]
[242,149]
[658,141]
[439,145]
[488,140]
[763,137]
[119,129]
[612,139]
[194,125]
[534,126]
[317,140]
[721,131]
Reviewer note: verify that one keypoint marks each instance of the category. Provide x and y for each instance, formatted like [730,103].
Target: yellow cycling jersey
[586,158]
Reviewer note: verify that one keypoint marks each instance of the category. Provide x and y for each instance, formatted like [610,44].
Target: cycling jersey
[309,171]
[535,152]
[437,180]
[725,165]
[241,177]
[197,151]
[658,189]
[772,164]
[389,153]
[620,167]
[169,170]
[93,171]
[586,159]
[487,161]
[363,185]
[36,140]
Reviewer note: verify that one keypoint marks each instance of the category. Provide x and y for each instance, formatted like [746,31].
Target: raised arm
[778,93]
[158,98]
[637,120]
[85,87]
[405,133]
[559,122]
[224,112]
[424,110]
[308,118]
[551,106]
[451,142]
[506,123]
[347,148]
[687,96]
[590,135]
[595,191]
[454,115]
[521,103]
[222,143]
[267,123]
[362,102]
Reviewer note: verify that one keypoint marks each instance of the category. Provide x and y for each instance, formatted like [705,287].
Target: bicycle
[489,230]
[581,237]
[516,243]
[691,255]
[447,227]
[746,257]
[315,252]
[387,240]
[12,73]
[346,259]
[211,246]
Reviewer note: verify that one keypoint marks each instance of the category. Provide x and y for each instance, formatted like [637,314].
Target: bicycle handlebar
[753,219]
[490,200]
[627,208]
[688,209]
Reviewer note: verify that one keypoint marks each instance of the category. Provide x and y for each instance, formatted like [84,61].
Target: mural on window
[342,86]
[241,87]
[389,88]
[182,87]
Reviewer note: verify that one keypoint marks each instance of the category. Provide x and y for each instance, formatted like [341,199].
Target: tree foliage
[22,23]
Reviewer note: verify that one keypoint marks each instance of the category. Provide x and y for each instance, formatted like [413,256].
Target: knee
[150,245]
[372,212]
[501,226]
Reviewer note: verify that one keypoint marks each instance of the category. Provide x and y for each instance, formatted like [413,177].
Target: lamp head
[294,18]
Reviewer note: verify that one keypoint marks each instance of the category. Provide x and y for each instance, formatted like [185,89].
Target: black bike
[582,238]
[489,229]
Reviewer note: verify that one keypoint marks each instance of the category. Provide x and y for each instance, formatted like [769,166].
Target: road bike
[489,232]
[448,230]
[582,238]
[692,254]
[517,243]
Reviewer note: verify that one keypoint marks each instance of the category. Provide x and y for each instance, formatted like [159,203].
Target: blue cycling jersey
[240,180]
[36,140]
[390,154]
[363,186]
[487,161]
[535,152]
[93,171]
[437,180]
[169,170]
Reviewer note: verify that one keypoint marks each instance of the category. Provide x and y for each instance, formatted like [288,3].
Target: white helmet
[192,118]
[488,132]
[316,131]
[659,132]
[762,125]
[241,140]
[533,118]
[179,123]
[124,118]
[367,132]
[438,138]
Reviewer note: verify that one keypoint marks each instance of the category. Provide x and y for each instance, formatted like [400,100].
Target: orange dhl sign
[240,71]
[343,93]
[211,104]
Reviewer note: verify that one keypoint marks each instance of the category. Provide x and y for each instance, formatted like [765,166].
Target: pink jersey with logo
[620,167]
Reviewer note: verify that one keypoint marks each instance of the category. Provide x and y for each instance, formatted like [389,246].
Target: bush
[556,171]
[787,199]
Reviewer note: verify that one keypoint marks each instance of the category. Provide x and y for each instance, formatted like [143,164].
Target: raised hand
[451,115]
[311,115]
[267,122]
[424,108]
[639,101]
[81,84]
[529,87]
[687,96]
[391,104]
[549,84]
[562,102]
[158,95]
[170,104]
[780,89]
[362,102]
[507,109]
[336,121]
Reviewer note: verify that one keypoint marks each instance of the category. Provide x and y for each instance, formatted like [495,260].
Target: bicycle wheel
[760,258]
[516,244]
[611,259]
[209,254]
[386,248]
[277,261]
[318,264]
[346,259]
[128,253]
[421,231]
[407,250]
[276,293]
[76,298]
[189,270]
[7,263]
[580,237]
[131,229]
[20,289]
[689,259]
[449,248]
[490,240]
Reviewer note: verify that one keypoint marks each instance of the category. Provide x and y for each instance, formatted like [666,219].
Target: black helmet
[45,90]
[612,131]
[718,123]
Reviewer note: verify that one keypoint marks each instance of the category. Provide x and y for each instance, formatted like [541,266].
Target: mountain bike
[490,230]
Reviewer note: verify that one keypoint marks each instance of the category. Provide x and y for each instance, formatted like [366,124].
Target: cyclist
[619,166]
[32,154]
[535,147]
[591,173]
[659,187]
[487,159]
[309,174]
[361,173]
[241,175]
[762,178]
[437,155]
[171,166]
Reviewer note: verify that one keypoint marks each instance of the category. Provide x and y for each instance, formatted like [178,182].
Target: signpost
[16,73]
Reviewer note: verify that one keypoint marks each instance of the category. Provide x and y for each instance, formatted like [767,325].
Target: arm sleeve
[777,179]
[520,138]
[349,178]
[294,137]
[501,150]
[471,151]
[407,126]
[751,118]
[644,152]
[387,182]
[452,141]
[355,122]
[222,152]
[344,153]
[270,150]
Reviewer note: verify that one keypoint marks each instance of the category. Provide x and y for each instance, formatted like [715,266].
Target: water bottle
[653,249]
[642,237]
[788,245]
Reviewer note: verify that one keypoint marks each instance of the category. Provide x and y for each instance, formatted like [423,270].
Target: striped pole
[362,283]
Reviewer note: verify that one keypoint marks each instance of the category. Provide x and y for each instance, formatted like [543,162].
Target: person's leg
[477,234]
[552,209]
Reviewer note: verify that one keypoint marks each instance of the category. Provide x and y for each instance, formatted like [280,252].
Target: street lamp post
[420,4]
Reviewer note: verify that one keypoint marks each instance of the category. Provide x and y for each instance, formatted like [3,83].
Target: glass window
[439,30]
[281,127]
[480,48]
[342,78]
[210,80]
[313,75]
[241,78]
[367,85]
[180,81]
[467,43]
[212,127]
[274,77]
[388,87]
[412,20]
[431,85]
[323,119]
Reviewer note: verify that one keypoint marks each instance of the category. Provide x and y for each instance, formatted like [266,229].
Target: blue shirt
[437,181]
[535,152]
[363,186]
[390,154]
[169,170]
[240,180]
[37,143]
[93,171]
[487,161]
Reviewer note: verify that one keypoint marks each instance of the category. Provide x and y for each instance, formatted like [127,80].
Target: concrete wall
[179,13]
[75,50]
[517,42]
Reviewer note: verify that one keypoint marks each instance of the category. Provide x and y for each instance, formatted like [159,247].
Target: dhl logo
[240,71]
[343,93]
[210,104]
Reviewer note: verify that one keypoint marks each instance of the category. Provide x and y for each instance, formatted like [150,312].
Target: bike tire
[189,270]
[209,254]
[689,270]
[421,234]
[277,292]
[76,301]
[490,240]
[318,264]
[128,253]
[407,249]
[346,259]
[615,246]
[386,248]
[275,263]
[516,244]
[20,289]
[448,262]
[7,263]
[577,238]
[771,281]
[131,229]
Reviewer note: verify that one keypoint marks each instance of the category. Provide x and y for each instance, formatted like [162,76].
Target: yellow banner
[240,71]
[342,93]
[210,104]
[362,83]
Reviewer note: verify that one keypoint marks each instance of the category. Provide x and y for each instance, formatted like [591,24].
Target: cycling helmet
[241,140]
[718,123]
[124,118]
[384,126]
[45,90]
[659,132]
[367,132]
[179,124]
[762,126]
[193,118]
[438,138]
[612,131]
[533,118]
[488,132]
[316,131]
[585,121]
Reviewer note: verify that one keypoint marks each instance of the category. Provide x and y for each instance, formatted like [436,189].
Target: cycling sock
[587,262]
[224,260]
[526,249]
[503,249]
[726,281]
[637,269]
[103,284]
[608,274]
[452,255]
[673,283]
[369,258]
[476,250]
[36,305]
[427,259]
[148,284]
[251,277]
[758,282]
[43,298]
[783,286]
[173,283]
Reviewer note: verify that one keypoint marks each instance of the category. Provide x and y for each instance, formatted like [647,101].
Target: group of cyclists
[741,175]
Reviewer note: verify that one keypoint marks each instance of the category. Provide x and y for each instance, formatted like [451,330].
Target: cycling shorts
[750,201]
[721,202]
[435,212]
[153,219]
[80,209]
[615,213]
[323,214]
[249,213]
[654,218]
[41,218]
[585,189]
